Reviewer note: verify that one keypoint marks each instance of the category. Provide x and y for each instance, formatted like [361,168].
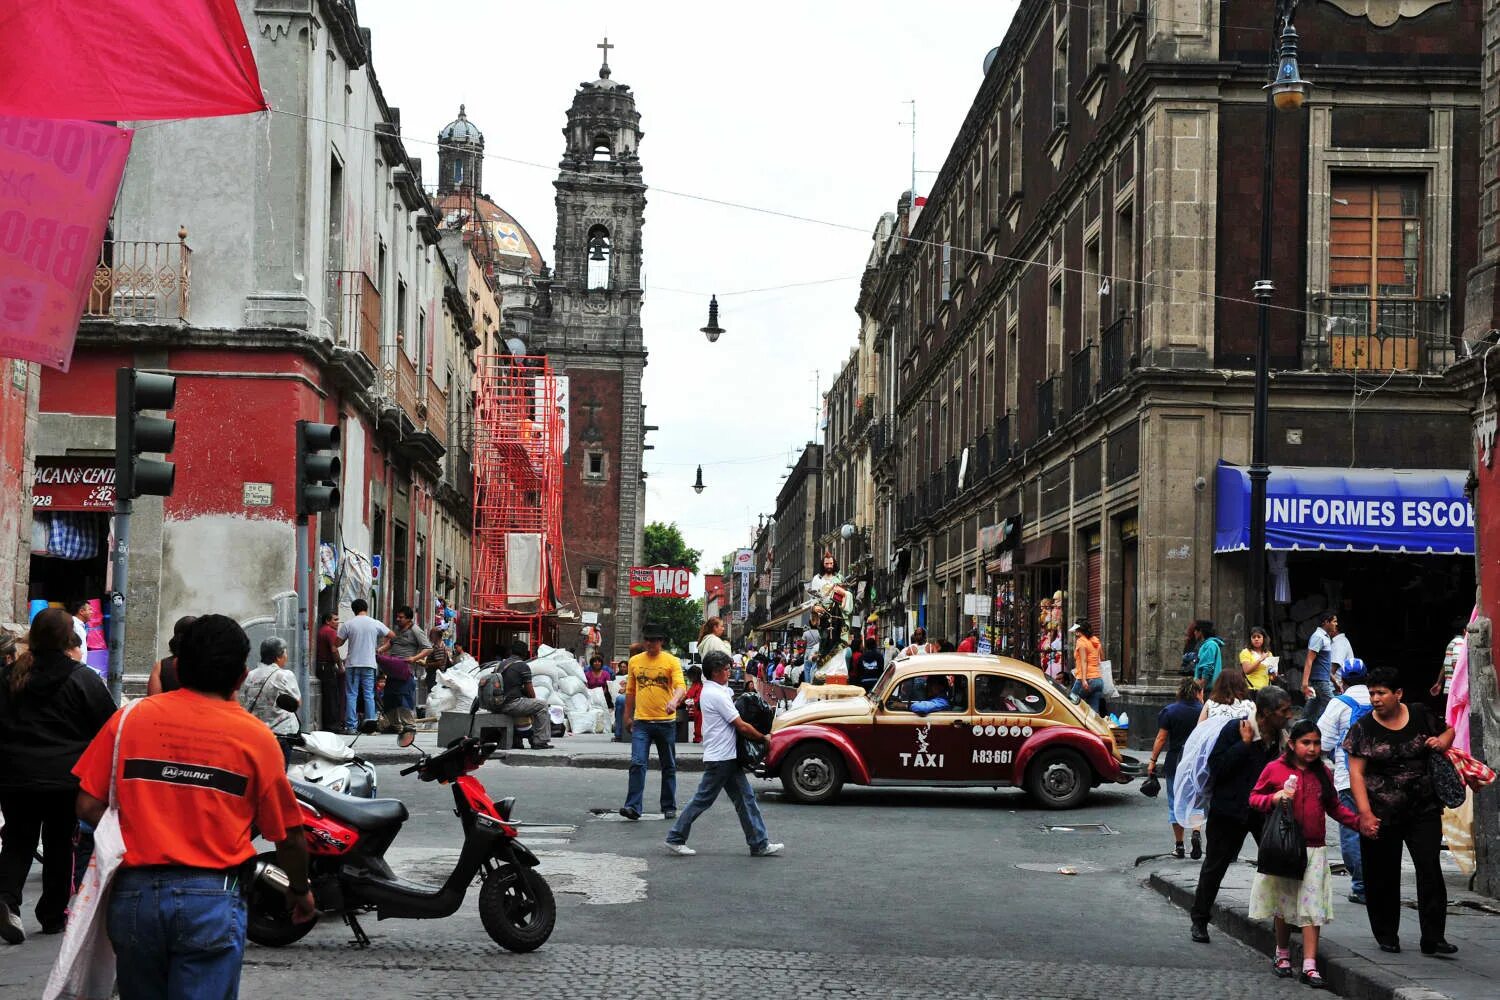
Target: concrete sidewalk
[1351,962]
[578,750]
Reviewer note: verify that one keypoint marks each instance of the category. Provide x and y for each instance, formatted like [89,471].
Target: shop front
[1028,587]
[71,500]
[1389,550]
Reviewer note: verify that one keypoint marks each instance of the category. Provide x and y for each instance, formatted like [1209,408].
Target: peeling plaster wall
[225,564]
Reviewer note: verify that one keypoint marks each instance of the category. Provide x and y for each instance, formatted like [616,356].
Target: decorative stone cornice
[1384,13]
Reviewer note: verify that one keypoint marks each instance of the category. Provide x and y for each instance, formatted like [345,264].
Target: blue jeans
[359,694]
[723,776]
[1349,846]
[1323,694]
[619,716]
[644,735]
[177,932]
[1091,691]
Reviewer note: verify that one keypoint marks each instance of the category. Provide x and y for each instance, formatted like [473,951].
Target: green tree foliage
[681,617]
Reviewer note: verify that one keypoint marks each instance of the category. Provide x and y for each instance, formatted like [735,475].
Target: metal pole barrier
[299,652]
[120,557]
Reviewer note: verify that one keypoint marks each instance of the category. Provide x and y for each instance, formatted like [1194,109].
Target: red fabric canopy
[126,60]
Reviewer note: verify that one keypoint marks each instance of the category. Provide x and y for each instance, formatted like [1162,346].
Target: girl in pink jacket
[1299,777]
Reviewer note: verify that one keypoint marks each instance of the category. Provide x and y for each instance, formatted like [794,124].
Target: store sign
[745,596]
[660,581]
[977,605]
[744,560]
[1354,510]
[73,484]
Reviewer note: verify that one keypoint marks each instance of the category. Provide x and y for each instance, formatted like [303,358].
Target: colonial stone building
[1066,338]
[794,549]
[592,335]
[313,287]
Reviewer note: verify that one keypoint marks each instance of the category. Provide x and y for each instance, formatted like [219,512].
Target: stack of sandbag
[453,690]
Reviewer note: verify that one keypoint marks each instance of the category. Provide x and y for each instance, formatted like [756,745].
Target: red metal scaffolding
[518,448]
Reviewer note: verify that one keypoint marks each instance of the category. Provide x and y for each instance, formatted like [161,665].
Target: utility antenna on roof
[913,124]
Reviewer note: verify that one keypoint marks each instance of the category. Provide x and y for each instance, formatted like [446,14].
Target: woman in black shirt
[1389,754]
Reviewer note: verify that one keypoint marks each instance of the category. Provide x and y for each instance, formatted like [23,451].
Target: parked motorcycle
[347,839]
[332,764]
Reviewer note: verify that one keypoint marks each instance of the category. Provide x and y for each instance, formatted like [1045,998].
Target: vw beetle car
[1005,724]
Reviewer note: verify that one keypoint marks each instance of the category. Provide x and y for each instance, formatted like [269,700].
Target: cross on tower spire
[605,47]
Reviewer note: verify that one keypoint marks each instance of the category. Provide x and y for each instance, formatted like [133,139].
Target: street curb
[525,758]
[1349,973]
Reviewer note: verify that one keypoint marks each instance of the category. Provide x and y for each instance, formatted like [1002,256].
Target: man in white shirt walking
[721,769]
[363,634]
[1342,712]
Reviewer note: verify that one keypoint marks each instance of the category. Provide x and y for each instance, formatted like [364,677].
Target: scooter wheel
[517,909]
[267,920]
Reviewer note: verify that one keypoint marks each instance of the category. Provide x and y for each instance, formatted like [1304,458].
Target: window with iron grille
[1376,317]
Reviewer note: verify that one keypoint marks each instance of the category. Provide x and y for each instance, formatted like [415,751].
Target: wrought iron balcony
[352,307]
[1081,379]
[1047,405]
[142,281]
[1115,349]
[1000,450]
[1360,333]
[979,458]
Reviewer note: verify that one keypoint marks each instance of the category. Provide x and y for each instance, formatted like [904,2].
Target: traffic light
[317,469]
[136,391]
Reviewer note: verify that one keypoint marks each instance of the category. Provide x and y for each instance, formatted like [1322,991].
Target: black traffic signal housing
[134,433]
[317,467]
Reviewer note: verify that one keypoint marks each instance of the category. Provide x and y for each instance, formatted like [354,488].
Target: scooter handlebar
[413,769]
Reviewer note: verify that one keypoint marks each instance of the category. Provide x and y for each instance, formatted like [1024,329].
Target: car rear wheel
[1058,779]
[813,774]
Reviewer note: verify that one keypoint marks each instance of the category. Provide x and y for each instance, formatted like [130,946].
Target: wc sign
[660,581]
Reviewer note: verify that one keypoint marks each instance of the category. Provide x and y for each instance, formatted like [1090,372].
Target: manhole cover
[1080,828]
[1054,868]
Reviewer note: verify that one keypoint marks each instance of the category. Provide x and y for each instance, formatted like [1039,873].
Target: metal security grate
[1098,828]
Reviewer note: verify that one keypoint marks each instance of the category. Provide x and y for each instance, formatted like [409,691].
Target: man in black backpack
[518,698]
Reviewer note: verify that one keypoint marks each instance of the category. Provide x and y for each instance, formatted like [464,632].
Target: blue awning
[1348,510]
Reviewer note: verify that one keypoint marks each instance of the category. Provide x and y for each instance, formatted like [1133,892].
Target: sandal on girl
[1282,966]
[1311,977]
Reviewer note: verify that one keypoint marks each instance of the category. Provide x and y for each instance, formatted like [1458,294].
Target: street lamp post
[1286,92]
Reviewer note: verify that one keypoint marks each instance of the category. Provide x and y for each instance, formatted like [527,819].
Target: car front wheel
[1058,779]
[813,774]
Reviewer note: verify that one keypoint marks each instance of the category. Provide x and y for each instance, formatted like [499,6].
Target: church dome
[499,235]
[461,130]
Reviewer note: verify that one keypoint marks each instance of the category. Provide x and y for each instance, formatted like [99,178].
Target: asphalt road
[888,893]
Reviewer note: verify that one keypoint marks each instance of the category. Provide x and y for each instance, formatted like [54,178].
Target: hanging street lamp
[713,329]
[698,483]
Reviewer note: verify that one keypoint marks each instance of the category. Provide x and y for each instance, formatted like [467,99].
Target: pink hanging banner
[58,181]
[126,60]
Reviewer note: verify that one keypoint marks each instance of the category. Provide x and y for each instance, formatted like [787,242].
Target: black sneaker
[629,813]
[669,814]
[1178,852]
[11,930]
[1199,932]
[1197,845]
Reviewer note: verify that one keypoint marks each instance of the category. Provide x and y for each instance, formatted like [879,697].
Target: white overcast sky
[791,107]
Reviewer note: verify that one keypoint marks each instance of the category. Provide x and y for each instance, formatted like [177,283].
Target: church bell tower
[594,338]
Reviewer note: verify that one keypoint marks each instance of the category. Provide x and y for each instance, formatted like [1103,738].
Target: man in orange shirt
[196,772]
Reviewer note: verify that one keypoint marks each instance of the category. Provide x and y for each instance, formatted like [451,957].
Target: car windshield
[878,691]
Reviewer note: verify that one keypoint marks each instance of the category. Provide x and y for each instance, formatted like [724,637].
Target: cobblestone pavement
[624,971]
[890,893]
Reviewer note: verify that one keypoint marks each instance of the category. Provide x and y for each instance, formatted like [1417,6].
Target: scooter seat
[362,814]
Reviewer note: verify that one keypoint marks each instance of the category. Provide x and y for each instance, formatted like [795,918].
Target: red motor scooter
[347,839]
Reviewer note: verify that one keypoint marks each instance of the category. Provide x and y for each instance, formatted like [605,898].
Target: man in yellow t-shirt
[653,691]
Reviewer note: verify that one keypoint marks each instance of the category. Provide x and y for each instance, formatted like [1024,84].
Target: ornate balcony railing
[1047,405]
[353,310]
[1360,333]
[142,281]
[1081,379]
[1000,449]
[436,409]
[1115,348]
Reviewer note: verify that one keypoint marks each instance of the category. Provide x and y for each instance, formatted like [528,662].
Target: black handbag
[1447,783]
[1151,787]
[1283,849]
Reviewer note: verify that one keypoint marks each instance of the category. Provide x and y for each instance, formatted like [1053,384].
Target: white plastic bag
[465,688]
[85,967]
[440,698]
[571,685]
[1107,674]
[596,699]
